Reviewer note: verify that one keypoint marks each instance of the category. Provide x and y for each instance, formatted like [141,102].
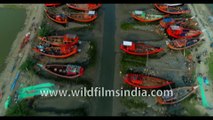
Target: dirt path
[203,13]
[34,15]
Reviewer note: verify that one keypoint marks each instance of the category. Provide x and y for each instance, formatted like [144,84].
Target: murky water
[104,104]
[11,22]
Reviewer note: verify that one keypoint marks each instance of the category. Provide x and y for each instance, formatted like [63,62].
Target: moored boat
[84,7]
[187,22]
[68,71]
[143,16]
[52,4]
[25,40]
[180,32]
[177,95]
[172,9]
[181,44]
[50,50]
[87,16]
[71,39]
[58,18]
[145,82]
[139,49]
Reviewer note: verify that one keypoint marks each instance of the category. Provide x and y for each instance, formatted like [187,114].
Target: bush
[45,30]
[19,109]
[28,64]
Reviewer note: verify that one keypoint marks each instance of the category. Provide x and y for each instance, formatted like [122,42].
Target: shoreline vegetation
[125,63]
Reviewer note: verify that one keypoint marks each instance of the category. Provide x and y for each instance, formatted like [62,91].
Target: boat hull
[174,13]
[148,82]
[183,48]
[83,9]
[47,69]
[155,51]
[190,90]
[145,20]
[53,19]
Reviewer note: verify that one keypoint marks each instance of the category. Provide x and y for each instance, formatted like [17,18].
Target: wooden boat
[186,22]
[68,71]
[145,82]
[50,50]
[70,39]
[87,16]
[172,9]
[52,4]
[58,18]
[181,44]
[84,7]
[139,49]
[142,16]
[178,95]
[180,32]
[25,40]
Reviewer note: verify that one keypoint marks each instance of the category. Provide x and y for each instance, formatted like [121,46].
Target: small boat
[71,39]
[166,22]
[182,44]
[84,7]
[52,4]
[55,51]
[139,49]
[68,71]
[145,82]
[25,40]
[87,16]
[180,32]
[142,16]
[58,18]
[172,9]
[178,95]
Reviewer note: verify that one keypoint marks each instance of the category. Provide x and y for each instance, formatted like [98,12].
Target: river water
[11,22]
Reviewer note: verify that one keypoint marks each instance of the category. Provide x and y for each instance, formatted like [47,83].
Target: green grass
[92,52]
[187,52]
[131,61]
[135,103]
[28,64]
[190,107]
[126,26]
[45,30]
[20,109]
[210,64]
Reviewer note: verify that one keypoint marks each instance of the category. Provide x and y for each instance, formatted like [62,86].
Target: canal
[104,104]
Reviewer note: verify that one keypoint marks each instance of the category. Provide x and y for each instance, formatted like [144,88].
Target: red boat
[180,32]
[172,9]
[70,39]
[145,82]
[68,71]
[182,44]
[139,49]
[49,50]
[187,22]
[84,7]
[25,40]
[143,16]
[177,95]
[87,16]
[52,4]
[58,18]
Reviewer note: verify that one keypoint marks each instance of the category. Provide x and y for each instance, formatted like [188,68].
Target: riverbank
[34,15]
[202,12]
